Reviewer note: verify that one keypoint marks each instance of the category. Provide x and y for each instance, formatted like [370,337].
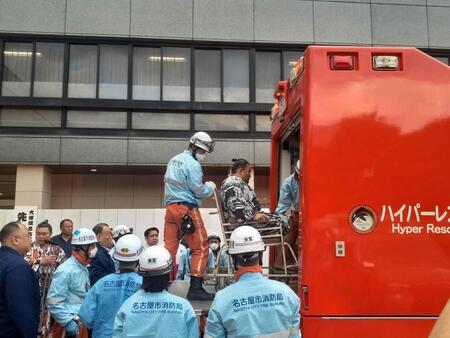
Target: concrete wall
[120,150]
[422,23]
[139,219]
[125,191]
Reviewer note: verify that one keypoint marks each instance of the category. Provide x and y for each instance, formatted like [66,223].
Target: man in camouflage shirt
[240,204]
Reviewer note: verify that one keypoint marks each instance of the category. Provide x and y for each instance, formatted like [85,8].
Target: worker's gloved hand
[211,184]
[72,328]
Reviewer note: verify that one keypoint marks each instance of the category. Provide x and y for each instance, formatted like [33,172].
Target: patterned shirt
[37,252]
[240,203]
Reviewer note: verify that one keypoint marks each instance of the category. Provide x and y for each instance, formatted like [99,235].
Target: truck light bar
[342,62]
[385,62]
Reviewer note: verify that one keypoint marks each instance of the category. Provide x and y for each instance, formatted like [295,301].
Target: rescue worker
[184,265]
[184,189]
[107,295]
[152,311]
[19,289]
[253,306]
[289,192]
[64,239]
[70,285]
[289,200]
[240,204]
[102,263]
[118,231]
[214,245]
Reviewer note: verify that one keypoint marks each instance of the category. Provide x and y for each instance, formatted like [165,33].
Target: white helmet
[245,239]
[83,236]
[213,234]
[203,141]
[120,230]
[297,167]
[128,248]
[155,261]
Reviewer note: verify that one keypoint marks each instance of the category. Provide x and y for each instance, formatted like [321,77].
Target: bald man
[19,287]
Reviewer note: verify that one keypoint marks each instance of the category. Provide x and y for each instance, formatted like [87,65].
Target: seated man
[240,204]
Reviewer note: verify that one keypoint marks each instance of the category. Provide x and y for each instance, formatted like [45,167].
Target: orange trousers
[198,241]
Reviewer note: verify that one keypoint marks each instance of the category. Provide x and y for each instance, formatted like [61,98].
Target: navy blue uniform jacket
[101,265]
[19,296]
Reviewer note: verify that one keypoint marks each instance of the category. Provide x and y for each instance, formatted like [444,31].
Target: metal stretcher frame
[275,240]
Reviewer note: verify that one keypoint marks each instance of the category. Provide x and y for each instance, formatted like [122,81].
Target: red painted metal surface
[366,328]
[379,139]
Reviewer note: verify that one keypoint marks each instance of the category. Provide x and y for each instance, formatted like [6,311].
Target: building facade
[97,96]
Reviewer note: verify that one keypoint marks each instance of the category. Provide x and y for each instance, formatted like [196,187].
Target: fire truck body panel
[374,148]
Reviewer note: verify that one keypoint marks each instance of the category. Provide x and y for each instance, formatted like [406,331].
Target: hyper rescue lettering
[429,229]
[415,219]
[412,212]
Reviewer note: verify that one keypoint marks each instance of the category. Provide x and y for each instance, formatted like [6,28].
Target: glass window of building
[176,74]
[30,118]
[96,119]
[162,121]
[263,123]
[289,60]
[221,122]
[236,75]
[17,60]
[207,76]
[113,72]
[48,71]
[83,71]
[267,73]
[146,73]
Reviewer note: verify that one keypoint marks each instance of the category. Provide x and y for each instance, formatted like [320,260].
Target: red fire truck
[371,127]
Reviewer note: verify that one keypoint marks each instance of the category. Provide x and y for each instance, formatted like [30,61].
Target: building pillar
[33,186]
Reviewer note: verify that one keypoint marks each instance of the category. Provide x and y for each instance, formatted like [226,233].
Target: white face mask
[214,246]
[93,252]
[200,157]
